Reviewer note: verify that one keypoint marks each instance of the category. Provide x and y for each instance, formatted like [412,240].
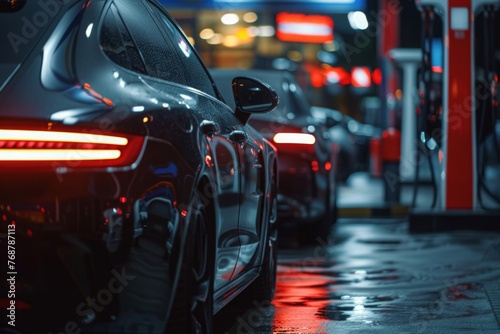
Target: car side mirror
[331,122]
[253,96]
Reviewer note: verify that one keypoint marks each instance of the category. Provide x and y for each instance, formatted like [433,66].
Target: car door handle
[209,128]
[238,136]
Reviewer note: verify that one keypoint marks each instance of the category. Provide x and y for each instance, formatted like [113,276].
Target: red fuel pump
[452,113]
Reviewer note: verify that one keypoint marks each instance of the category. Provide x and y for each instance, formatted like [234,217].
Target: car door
[252,193]
[169,56]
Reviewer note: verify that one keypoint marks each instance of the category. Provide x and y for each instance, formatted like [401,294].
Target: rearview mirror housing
[253,96]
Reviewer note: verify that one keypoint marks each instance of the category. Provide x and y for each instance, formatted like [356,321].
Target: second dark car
[306,192]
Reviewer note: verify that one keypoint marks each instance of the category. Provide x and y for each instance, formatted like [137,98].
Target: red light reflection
[299,297]
[208,161]
[377,76]
[96,95]
[314,166]
[437,69]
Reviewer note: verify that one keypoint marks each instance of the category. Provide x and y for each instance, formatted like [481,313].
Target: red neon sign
[304,28]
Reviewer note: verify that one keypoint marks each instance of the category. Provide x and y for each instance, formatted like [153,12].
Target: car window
[117,43]
[159,55]
[133,37]
[193,71]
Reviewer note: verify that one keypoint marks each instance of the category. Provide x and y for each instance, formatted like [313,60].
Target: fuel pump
[430,83]
[488,118]
[429,111]
[454,116]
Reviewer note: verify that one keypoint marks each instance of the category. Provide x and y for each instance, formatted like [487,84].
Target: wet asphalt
[374,276]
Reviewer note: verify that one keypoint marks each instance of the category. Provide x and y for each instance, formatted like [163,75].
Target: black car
[306,192]
[132,199]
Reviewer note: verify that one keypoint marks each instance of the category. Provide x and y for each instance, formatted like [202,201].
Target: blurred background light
[216,39]
[361,77]
[250,17]
[230,19]
[266,31]
[230,41]
[207,33]
[357,20]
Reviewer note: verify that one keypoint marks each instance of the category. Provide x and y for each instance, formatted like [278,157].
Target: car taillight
[294,138]
[67,149]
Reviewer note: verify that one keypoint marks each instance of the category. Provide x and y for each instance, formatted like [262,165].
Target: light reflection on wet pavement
[376,277]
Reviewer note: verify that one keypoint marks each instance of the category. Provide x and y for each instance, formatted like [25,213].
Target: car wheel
[193,305]
[264,286]
[325,223]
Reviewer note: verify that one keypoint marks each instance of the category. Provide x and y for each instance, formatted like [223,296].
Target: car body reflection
[134,191]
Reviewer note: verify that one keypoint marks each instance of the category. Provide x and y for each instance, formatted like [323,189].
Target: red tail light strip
[57,155]
[26,147]
[53,136]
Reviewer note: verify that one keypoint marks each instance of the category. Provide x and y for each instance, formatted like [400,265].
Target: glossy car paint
[101,248]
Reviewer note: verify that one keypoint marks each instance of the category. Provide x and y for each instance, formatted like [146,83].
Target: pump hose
[490,81]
